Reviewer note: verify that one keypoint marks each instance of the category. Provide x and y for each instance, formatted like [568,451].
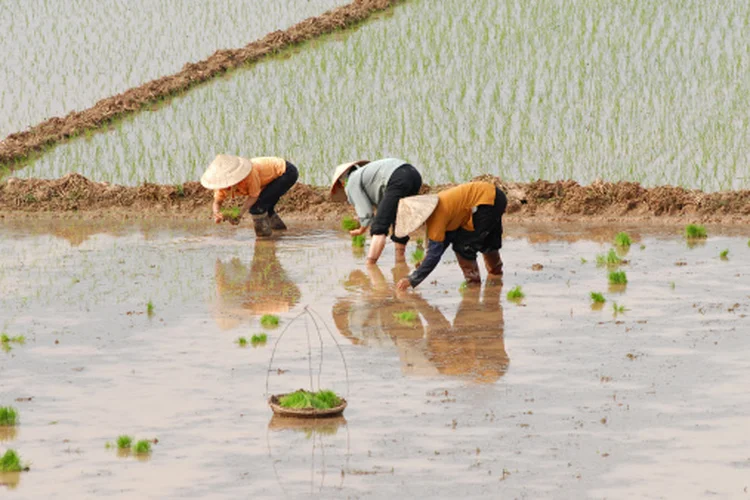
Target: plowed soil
[76,196]
[18,146]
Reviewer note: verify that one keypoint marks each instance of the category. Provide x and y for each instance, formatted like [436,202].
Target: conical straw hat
[413,211]
[225,171]
[336,193]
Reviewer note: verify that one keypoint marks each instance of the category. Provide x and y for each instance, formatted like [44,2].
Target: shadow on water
[247,291]
[471,347]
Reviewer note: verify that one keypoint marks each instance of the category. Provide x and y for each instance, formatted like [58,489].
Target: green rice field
[645,91]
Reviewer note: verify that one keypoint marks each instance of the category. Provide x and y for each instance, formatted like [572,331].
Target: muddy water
[478,396]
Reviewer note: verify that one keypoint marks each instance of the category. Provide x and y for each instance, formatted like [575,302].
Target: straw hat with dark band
[338,194]
[225,171]
[413,211]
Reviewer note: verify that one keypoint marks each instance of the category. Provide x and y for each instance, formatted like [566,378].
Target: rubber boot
[276,222]
[493,262]
[262,225]
[470,269]
[400,253]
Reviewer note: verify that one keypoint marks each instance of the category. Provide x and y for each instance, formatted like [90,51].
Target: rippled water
[63,56]
[478,397]
[646,91]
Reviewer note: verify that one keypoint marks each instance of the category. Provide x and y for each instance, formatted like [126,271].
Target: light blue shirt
[366,186]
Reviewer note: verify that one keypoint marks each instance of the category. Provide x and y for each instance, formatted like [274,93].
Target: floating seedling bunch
[358,241]
[8,416]
[618,278]
[6,341]
[516,294]
[127,445]
[695,232]
[269,321]
[11,462]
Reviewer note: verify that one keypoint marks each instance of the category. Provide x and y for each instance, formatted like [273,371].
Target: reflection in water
[263,288]
[8,433]
[473,346]
[299,440]
[10,479]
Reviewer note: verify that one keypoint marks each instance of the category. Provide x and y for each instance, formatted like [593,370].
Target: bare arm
[249,202]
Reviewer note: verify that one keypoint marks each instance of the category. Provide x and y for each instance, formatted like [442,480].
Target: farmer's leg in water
[265,206]
[404,181]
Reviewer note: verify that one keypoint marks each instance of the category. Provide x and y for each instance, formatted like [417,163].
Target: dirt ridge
[75,194]
[18,146]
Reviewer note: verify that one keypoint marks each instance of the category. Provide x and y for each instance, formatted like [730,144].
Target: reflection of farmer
[377,184]
[469,217]
[264,288]
[473,346]
[262,180]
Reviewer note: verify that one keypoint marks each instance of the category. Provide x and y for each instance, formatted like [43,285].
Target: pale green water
[642,91]
[61,56]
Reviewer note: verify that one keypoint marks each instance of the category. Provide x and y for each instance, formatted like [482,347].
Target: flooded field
[69,58]
[479,396]
[641,91]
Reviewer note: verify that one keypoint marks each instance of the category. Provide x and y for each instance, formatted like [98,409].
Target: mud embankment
[76,196]
[18,146]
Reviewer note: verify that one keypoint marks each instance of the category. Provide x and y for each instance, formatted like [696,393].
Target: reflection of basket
[326,426]
[273,402]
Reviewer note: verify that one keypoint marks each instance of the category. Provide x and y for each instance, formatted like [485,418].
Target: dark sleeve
[435,250]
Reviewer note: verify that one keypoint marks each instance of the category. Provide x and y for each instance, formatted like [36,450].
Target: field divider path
[17,147]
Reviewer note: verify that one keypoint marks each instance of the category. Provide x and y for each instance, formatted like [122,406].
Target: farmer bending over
[377,185]
[262,180]
[468,216]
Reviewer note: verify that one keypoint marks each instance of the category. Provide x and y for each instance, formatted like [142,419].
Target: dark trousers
[405,181]
[488,230]
[275,189]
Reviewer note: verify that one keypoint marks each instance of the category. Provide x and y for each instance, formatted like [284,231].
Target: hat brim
[413,212]
[226,171]
[336,191]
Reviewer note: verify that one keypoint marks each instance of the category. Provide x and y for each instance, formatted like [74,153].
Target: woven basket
[273,402]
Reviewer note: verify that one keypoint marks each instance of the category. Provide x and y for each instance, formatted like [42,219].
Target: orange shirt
[454,208]
[265,169]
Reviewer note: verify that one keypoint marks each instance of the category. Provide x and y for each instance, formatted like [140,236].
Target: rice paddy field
[645,91]
[60,57]
[139,345]
[472,395]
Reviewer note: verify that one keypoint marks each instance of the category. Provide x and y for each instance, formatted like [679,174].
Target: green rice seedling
[583,260]
[231,214]
[417,256]
[6,341]
[610,259]
[180,190]
[622,239]
[321,400]
[618,278]
[516,294]
[617,309]
[142,447]
[241,341]
[8,416]
[724,255]
[358,241]
[269,320]
[695,232]
[11,462]
[124,442]
[597,298]
[406,316]
[150,308]
[643,247]
[349,223]
[109,445]
[672,285]
[259,339]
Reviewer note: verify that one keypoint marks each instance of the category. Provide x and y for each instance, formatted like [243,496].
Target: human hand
[403,284]
[358,231]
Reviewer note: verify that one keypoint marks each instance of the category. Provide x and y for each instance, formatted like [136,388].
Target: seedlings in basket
[406,316]
[349,223]
[8,416]
[597,298]
[142,447]
[11,462]
[724,255]
[358,241]
[516,294]
[269,320]
[241,341]
[231,214]
[618,278]
[622,239]
[695,232]
[124,442]
[259,339]
[321,400]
